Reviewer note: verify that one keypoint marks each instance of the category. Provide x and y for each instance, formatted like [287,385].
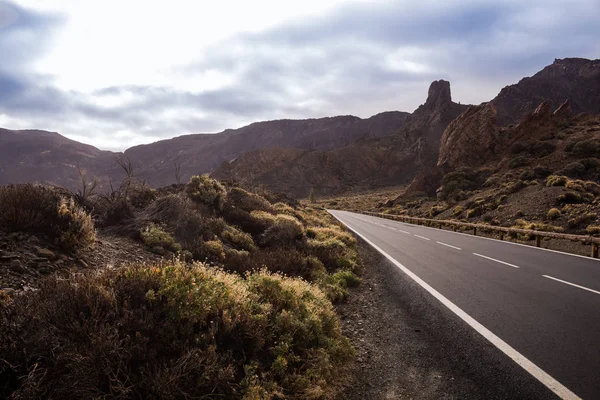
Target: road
[539,307]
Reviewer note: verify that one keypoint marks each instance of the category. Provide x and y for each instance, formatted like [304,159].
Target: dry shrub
[332,231]
[593,230]
[156,238]
[553,213]
[237,238]
[290,262]
[172,332]
[247,201]
[556,180]
[285,230]
[206,191]
[537,226]
[47,211]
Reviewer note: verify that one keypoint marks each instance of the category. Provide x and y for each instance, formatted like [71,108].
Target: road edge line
[546,379]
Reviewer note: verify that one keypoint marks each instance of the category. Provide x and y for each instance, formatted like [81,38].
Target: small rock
[83,264]
[59,263]
[8,257]
[49,254]
[16,266]
[40,259]
[34,239]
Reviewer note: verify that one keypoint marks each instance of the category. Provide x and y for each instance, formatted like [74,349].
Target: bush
[286,230]
[44,210]
[541,172]
[156,238]
[238,238]
[527,175]
[585,148]
[517,148]
[590,164]
[331,232]
[535,226]
[207,191]
[556,180]
[173,331]
[573,170]
[577,185]
[553,213]
[519,161]
[435,210]
[474,212]
[581,219]
[593,230]
[542,149]
[569,198]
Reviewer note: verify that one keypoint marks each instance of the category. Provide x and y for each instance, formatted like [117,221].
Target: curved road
[539,307]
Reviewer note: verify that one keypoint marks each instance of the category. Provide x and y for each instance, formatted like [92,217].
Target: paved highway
[541,308]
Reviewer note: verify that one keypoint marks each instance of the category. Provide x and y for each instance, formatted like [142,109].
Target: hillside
[364,164]
[204,153]
[49,158]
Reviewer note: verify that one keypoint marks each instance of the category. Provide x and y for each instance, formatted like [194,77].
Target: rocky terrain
[364,164]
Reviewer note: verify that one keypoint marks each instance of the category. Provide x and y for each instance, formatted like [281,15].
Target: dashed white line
[449,245]
[422,237]
[572,284]
[408,233]
[498,261]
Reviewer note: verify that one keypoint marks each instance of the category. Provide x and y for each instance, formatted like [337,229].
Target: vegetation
[553,213]
[173,331]
[46,211]
[206,191]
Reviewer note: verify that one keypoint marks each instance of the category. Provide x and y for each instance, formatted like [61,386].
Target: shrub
[590,164]
[569,198]
[577,185]
[156,238]
[330,232]
[474,212]
[593,230]
[44,210]
[580,219]
[141,195]
[542,149]
[573,170]
[173,331]
[592,187]
[519,161]
[527,175]
[517,148]
[586,148]
[553,213]
[541,172]
[210,250]
[207,191]
[456,211]
[556,180]
[238,238]
[435,210]
[536,226]
[285,230]
[241,199]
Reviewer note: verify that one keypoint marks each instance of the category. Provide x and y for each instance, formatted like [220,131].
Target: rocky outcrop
[470,139]
[575,79]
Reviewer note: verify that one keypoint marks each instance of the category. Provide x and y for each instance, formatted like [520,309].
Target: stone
[46,253]
[16,266]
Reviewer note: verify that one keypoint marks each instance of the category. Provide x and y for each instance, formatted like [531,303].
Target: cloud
[358,58]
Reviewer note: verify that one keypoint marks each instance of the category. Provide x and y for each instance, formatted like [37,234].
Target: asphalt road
[539,307]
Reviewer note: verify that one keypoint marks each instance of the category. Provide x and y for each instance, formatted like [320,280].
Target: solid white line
[542,376]
[572,284]
[498,261]
[449,245]
[487,238]
[422,237]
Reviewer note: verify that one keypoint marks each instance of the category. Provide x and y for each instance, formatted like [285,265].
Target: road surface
[541,308]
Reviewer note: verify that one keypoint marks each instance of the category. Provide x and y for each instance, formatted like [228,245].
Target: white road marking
[449,245]
[498,261]
[408,233]
[541,375]
[572,284]
[422,237]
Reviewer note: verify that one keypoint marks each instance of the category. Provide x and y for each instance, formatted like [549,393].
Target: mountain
[49,158]
[364,164]
[202,153]
[573,79]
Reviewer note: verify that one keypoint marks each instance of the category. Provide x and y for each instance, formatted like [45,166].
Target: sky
[116,73]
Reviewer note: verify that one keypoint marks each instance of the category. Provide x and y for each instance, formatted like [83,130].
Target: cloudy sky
[115,73]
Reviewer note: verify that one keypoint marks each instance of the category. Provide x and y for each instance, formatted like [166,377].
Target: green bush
[173,331]
[207,191]
[458,210]
[45,210]
[435,210]
[556,180]
[553,213]
[156,238]
[238,238]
